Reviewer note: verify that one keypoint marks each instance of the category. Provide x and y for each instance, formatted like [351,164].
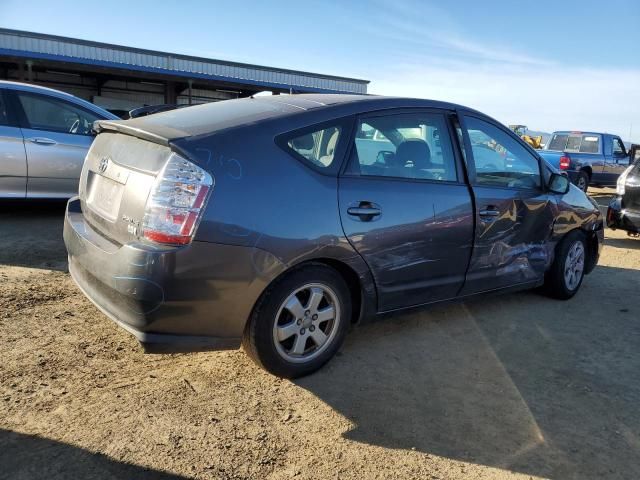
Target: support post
[170,93]
[29,70]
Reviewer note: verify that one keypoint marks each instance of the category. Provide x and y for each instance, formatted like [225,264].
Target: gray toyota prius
[278,222]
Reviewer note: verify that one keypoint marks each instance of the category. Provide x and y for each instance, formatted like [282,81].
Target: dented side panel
[514,246]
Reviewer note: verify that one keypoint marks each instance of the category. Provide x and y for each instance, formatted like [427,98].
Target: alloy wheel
[574,265]
[306,323]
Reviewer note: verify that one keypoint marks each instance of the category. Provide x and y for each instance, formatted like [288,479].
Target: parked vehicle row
[280,221]
[589,158]
[44,138]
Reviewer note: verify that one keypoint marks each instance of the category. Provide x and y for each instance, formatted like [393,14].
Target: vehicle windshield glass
[575,142]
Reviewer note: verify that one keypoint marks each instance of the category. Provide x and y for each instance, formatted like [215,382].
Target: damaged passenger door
[514,214]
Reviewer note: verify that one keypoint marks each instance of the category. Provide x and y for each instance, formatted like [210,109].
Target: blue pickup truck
[589,158]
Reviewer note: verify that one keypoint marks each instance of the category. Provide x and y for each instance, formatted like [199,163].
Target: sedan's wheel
[299,322]
[567,271]
[574,265]
[582,181]
[306,322]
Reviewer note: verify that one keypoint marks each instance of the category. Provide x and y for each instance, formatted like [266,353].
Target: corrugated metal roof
[52,47]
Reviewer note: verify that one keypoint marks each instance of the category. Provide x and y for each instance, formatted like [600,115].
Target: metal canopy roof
[17,43]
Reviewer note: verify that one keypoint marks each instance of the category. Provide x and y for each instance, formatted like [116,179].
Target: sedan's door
[405,207]
[57,136]
[514,214]
[13,160]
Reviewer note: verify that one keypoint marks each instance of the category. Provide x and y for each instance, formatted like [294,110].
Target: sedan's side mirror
[559,183]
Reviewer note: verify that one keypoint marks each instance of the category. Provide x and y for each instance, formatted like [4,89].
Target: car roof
[213,117]
[308,101]
[28,87]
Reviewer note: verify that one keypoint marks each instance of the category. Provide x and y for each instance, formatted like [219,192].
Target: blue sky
[550,65]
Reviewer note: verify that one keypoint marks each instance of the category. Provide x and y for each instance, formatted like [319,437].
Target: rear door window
[411,145]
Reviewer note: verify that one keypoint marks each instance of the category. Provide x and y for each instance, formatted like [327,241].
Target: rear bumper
[170,298]
[622,218]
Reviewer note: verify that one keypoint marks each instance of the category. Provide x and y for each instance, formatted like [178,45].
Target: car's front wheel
[567,271]
[300,322]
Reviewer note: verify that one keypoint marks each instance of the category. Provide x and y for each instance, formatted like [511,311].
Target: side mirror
[559,183]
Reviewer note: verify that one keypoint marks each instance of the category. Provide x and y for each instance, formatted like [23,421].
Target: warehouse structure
[122,78]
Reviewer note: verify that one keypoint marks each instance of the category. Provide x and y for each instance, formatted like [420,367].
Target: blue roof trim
[164,71]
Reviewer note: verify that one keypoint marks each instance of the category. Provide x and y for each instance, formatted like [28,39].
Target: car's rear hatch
[127,156]
[116,179]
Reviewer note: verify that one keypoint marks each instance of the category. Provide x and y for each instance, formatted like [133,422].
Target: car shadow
[519,382]
[628,242]
[29,457]
[31,234]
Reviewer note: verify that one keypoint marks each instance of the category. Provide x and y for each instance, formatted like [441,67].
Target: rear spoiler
[120,126]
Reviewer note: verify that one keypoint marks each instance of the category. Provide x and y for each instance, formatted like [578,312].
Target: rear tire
[565,276]
[582,181]
[299,322]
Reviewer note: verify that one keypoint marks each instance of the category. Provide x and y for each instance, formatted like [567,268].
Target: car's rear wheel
[565,276]
[582,181]
[300,322]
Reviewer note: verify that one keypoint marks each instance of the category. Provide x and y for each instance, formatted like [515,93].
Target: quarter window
[499,159]
[45,113]
[415,145]
[319,147]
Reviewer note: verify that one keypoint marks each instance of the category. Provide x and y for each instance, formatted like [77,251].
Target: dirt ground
[513,386]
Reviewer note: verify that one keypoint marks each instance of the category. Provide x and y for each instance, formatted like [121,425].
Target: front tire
[565,276]
[299,322]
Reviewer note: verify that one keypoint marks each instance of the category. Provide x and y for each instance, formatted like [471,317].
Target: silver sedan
[44,137]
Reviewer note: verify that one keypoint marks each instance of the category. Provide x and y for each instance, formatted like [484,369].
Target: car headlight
[622,179]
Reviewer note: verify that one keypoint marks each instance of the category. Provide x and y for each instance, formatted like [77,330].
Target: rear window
[318,147]
[583,143]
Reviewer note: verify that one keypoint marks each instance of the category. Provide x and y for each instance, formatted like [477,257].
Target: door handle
[358,211]
[366,211]
[489,212]
[42,141]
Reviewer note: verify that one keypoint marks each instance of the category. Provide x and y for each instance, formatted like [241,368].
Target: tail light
[176,202]
[622,180]
[564,162]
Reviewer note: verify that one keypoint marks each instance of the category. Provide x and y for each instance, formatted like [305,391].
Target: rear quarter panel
[264,199]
